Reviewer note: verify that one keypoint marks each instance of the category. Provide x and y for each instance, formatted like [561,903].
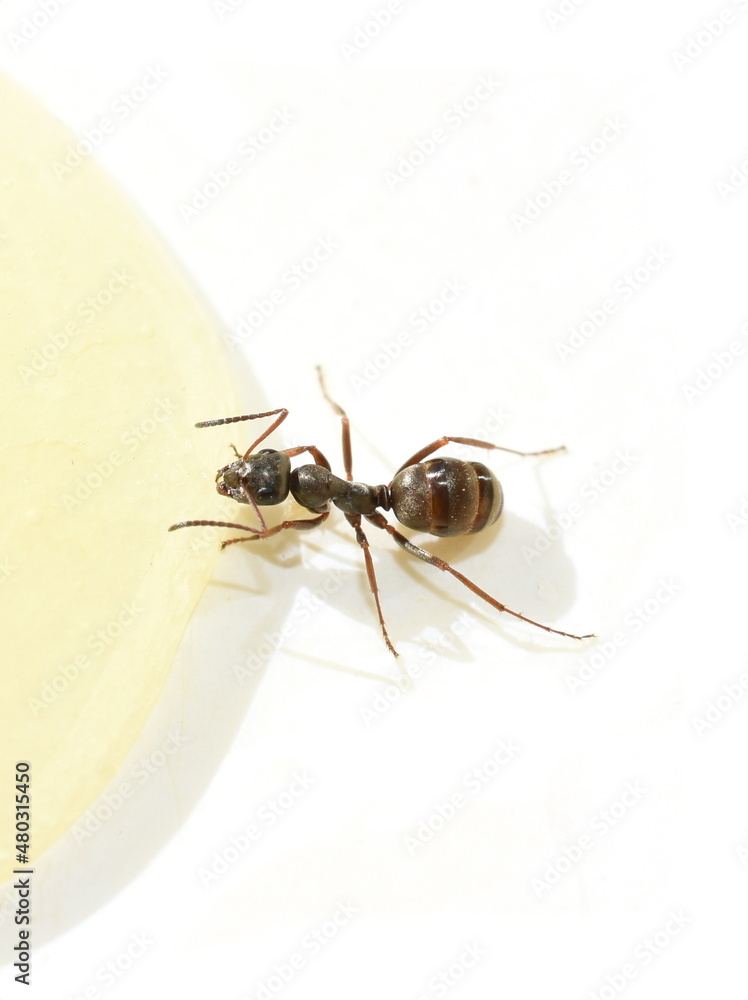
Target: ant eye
[264,493]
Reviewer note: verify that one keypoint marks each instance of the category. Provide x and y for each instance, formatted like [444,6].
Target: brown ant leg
[316,454]
[380,521]
[355,521]
[347,453]
[302,524]
[475,443]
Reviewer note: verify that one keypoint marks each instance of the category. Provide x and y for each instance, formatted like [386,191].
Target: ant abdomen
[446,496]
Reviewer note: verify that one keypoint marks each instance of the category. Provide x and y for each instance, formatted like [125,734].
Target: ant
[444,496]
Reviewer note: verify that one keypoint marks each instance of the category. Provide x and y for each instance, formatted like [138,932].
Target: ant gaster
[444,496]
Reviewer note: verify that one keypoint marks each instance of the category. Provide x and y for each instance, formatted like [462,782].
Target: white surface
[667,513]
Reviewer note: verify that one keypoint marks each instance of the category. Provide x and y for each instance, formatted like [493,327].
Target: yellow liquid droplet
[108,361]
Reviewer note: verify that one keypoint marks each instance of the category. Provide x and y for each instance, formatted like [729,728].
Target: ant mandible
[444,496]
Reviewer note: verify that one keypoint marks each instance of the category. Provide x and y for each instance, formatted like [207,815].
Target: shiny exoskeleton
[442,496]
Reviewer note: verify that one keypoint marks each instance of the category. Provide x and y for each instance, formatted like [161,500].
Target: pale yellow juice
[108,359]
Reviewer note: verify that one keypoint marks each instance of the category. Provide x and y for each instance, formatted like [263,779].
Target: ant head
[263,476]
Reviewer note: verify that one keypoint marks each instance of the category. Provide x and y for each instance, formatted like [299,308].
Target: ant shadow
[521,564]
[514,561]
[503,561]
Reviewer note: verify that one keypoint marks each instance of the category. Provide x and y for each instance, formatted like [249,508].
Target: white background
[608,855]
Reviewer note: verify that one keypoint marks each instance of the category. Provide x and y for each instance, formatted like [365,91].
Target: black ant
[444,496]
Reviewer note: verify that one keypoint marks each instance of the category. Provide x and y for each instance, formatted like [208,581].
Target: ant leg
[474,443]
[355,521]
[429,557]
[303,524]
[347,454]
[316,454]
[283,413]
